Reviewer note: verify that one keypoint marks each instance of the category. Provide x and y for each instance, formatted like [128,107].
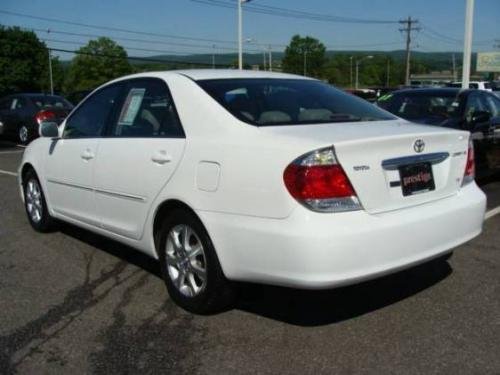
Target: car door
[8,116]
[477,121]
[493,134]
[69,165]
[138,156]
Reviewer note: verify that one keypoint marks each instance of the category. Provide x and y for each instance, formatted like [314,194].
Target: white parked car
[253,176]
[479,85]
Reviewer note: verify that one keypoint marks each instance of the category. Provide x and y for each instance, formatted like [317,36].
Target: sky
[192,26]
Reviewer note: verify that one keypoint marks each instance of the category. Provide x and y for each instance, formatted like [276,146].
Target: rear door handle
[161,157]
[87,155]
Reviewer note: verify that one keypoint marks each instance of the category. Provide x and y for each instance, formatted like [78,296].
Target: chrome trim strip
[121,195]
[70,185]
[433,158]
[100,191]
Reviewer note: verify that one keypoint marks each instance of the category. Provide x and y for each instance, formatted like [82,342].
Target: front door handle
[87,155]
[161,157]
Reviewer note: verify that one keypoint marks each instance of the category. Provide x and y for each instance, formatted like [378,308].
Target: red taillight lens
[44,115]
[470,166]
[318,181]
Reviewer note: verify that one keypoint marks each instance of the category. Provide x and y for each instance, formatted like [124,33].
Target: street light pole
[240,32]
[357,68]
[350,71]
[240,36]
[469,14]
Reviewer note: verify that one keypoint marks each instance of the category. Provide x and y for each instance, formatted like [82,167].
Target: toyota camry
[227,175]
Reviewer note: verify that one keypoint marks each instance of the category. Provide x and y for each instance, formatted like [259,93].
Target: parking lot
[74,302]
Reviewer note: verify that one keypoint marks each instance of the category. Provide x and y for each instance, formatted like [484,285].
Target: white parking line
[11,152]
[494,211]
[8,173]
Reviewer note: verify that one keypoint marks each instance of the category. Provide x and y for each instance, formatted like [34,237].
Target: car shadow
[315,308]
[116,249]
[7,145]
[294,306]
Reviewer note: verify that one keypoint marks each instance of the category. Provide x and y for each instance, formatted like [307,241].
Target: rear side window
[267,102]
[147,111]
[90,118]
[419,106]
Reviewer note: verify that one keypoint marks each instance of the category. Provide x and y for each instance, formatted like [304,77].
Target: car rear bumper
[313,250]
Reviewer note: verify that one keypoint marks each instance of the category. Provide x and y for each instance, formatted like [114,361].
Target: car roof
[433,90]
[205,74]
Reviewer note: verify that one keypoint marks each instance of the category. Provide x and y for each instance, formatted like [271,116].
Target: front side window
[147,111]
[475,103]
[91,117]
[493,104]
[267,102]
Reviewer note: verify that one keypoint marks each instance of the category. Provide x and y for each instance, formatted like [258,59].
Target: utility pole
[50,73]
[454,67]
[350,58]
[387,78]
[469,14]
[50,68]
[264,58]
[409,26]
[305,62]
[213,56]
[270,59]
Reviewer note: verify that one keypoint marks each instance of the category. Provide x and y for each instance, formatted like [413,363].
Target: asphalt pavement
[74,302]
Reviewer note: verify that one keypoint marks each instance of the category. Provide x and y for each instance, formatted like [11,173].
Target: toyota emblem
[419,145]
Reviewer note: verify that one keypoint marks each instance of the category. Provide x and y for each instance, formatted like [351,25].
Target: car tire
[35,204]
[24,134]
[190,267]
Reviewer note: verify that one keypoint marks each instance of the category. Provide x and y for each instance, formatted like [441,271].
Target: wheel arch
[163,210]
[25,169]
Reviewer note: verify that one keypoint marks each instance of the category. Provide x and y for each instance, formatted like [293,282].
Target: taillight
[44,115]
[470,166]
[318,181]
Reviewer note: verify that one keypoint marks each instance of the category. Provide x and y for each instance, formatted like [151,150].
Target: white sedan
[253,176]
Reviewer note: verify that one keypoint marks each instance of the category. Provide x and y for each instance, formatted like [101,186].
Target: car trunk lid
[380,158]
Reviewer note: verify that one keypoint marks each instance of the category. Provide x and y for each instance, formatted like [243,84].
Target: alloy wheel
[33,198]
[23,134]
[186,260]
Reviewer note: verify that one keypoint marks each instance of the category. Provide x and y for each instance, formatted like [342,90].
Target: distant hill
[435,60]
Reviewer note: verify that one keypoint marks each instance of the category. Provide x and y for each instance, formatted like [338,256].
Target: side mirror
[480,116]
[49,130]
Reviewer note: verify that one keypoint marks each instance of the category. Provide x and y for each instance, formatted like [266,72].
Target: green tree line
[24,64]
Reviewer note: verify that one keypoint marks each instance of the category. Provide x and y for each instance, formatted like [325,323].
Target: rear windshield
[45,101]
[268,102]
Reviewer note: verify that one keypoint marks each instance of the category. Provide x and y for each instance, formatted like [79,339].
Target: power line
[292,13]
[117,29]
[51,31]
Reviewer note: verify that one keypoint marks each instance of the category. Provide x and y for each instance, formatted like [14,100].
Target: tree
[23,61]
[96,63]
[304,55]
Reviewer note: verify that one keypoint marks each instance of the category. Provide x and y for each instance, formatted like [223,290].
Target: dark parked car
[477,111]
[22,114]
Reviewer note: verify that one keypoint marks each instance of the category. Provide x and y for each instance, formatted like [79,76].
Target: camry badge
[419,145]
